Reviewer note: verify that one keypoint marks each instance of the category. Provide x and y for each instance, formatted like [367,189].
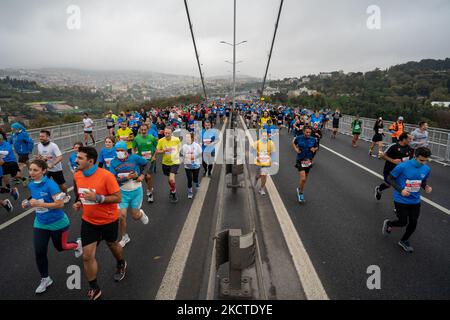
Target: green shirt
[145,146]
[356,126]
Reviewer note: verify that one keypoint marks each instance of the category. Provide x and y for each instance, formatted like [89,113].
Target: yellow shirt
[171,148]
[123,135]
[263,121]
[264,152]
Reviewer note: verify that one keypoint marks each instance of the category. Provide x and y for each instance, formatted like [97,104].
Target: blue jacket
[7,152]
[305,144]
[410,175]
[21,141]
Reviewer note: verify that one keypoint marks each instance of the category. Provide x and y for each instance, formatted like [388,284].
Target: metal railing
[67,134]
[438,139]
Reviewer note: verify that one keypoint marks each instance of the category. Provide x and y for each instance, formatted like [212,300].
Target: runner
[129,172]
[209,136]
[191,154]
[107,153]
[264,150]
[396,153]
[23,145]
[396,129]
[50,221]
[264,119]
[49,152]
[9,168]
[336,116]
[144,145]
[377,137]
[306,147]
[170,147]
[110,123]
[407,178]
[124,133]
[88,124]
[73,157]
[356,130]
[420,136]
[98,194]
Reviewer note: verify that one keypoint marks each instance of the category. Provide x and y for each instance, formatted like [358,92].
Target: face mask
[121,155]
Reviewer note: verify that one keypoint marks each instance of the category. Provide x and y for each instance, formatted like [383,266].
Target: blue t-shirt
[410,175]
[106,156]
[305,144]
[131,164]
[316,119]
[210,138]
[52,219]
[72,160]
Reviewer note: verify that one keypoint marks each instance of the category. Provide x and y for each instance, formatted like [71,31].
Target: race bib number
[169,151]
[413,185]
[206,141]
[81,192]
[306,163]
[380,131]
[264,158]
[122,175]
[147,155]
[40,209]
[357,127]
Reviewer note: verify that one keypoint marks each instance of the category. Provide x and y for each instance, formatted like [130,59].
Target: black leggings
[41,238]
[207,167]
[407,214]
[192,174]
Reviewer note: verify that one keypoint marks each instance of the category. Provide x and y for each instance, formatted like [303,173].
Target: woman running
[107,153]
[50,221]
[377,137]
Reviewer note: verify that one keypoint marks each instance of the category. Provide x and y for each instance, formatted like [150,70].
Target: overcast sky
[153,35]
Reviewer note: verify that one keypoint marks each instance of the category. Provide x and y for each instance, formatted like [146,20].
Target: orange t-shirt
[103,183]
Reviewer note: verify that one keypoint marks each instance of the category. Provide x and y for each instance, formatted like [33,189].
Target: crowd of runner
[112,180]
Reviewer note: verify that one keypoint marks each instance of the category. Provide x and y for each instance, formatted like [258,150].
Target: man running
[144,145]
[124,133]
[88,126]
[8,167]
[420,136]
[129,172]
[23,145]
[210,138]
[396,129]
[336,116]
[265,152]
[98,194]
[407,179]
[306,146]
[110,123]
[49,152]
[356,130]
[395,154]
[170,147]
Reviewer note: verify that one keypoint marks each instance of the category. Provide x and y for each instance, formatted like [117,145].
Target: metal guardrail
[438,139]
[67,134]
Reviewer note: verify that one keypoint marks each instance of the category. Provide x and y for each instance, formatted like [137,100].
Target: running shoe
[7,205]
[386,229]
[120,272]
[190,193]
[150,197]
[406,246]
[45,283]
[301,198]
[144,219]
[377,193]
[197,185]
[125,240]
[94,294]
[298,195]
[173,197]
[262,192]
[15,193]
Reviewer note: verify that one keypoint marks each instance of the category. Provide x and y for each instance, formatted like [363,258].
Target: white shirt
[50,152]
[189,150]
[88,124]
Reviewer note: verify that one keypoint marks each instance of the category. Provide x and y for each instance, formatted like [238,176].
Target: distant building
[305,79]
[325,75]
[445,104]
[302,90]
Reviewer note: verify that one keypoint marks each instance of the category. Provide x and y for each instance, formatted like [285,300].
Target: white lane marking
[22,215]
[170,283]
[308,277]
[432,203]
